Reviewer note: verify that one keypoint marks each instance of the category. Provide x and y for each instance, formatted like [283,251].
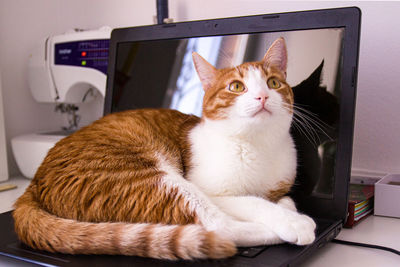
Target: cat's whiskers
[307,131]
[306,122]
[250,109]
[303,121]
[313,120]
[312,116]
[299,126]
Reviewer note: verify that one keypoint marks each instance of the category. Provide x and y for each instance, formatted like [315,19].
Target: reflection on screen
[161,74]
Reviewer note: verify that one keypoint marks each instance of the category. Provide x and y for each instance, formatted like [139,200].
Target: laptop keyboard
[250,252]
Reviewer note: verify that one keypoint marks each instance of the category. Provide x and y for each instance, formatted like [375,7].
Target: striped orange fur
[106,174]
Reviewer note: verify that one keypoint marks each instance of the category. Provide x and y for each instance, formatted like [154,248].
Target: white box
[387,196]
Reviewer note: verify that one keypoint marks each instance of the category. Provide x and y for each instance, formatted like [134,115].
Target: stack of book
[361,203]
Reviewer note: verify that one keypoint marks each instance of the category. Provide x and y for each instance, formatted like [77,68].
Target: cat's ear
[205,70]
[276,55]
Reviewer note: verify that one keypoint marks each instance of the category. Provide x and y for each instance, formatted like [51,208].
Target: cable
[343,242]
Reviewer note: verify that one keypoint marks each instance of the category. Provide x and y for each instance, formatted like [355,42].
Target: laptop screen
[159,72]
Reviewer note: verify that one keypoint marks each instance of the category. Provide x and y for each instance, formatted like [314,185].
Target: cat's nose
[262,98]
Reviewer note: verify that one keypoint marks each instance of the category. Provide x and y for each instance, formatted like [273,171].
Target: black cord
[343,242]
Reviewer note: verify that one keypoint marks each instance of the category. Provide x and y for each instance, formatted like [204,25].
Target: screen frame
[348,18]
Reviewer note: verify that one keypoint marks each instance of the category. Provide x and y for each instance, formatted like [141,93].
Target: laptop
[322,68]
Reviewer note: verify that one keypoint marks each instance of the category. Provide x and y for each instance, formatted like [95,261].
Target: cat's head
[254,92]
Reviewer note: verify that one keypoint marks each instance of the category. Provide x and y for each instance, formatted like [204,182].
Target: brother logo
[64,51]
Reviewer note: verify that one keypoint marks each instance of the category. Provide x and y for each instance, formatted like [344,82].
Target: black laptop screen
[151,67]
[160,73]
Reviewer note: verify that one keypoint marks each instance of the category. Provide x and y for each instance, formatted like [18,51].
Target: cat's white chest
[226,165]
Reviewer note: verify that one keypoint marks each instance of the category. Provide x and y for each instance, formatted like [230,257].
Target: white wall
[22,23]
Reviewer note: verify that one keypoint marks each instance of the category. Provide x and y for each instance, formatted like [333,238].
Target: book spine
[350,219]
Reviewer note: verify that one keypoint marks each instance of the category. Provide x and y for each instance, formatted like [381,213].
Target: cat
[162,184]
[320,108]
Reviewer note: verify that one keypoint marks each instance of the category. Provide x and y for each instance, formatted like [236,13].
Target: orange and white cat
[162,184]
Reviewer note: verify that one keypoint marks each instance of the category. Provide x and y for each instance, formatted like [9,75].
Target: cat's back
[131,130]
[135,125]
[117,149]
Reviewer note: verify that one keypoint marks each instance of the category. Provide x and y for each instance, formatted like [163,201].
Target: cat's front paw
[296,228]
[287,203]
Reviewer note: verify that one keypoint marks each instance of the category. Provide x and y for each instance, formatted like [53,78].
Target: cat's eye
[236,87]
[273,83]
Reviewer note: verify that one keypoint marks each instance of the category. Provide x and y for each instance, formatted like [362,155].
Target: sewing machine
[66,70]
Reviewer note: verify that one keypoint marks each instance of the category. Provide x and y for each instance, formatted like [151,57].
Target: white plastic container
[387,196]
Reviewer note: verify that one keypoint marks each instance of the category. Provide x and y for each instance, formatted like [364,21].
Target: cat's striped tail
[42,230]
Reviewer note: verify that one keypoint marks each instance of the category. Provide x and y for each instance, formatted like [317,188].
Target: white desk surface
[376,230]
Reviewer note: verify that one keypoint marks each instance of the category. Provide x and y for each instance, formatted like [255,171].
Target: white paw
[295,228]
[287,202]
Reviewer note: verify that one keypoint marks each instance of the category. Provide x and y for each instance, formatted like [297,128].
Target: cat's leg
[287,202]
[242,233]
[289,225]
